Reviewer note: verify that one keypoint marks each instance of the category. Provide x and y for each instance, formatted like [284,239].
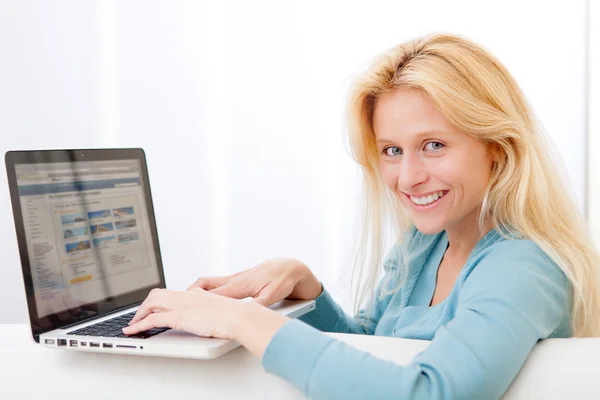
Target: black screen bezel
[94,310]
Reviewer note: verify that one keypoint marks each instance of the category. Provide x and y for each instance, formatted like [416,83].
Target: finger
[156,301]
[234,290]
[272,293]
[265,297]
[154,320]
[208,283]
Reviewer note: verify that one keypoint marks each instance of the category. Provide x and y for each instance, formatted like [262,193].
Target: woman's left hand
[196,311]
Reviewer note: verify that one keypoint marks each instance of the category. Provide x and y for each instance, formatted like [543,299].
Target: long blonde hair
[526,193]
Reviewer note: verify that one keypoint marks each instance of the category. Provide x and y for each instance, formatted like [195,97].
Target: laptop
[89,252]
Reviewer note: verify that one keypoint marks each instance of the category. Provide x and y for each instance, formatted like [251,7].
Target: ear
[493,151]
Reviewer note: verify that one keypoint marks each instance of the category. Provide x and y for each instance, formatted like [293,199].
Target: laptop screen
[89,237]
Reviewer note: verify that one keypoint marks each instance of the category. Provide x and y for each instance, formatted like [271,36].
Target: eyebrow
[424,133]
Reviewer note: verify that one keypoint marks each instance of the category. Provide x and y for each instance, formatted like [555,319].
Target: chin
[428,228]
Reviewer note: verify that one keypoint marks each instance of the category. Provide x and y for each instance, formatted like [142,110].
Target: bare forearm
[255,326]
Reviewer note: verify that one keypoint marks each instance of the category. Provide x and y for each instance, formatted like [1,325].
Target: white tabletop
[557,368]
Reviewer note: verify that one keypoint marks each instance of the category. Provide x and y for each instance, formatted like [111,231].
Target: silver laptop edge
[88,244]
[170,343]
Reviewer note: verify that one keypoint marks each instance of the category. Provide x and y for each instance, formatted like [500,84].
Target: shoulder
[515,257]
[516,274]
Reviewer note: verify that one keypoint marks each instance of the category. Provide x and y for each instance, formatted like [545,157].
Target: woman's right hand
[268,283]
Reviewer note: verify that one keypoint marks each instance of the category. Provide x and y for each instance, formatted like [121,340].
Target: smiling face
[438,172]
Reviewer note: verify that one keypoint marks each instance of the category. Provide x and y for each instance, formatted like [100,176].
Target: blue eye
[434,146]
[385,150]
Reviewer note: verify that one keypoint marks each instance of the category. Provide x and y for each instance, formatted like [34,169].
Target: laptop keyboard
[114,328]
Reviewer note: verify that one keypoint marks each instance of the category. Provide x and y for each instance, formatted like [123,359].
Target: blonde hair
[525,194]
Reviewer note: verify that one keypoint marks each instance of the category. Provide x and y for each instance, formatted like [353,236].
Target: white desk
[556,369]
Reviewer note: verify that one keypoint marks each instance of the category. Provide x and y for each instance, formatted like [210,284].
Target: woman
[491,253]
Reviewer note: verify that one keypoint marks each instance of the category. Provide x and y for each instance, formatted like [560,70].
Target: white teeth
[427,199]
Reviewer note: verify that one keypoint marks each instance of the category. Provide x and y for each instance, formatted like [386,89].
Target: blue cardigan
[508,296]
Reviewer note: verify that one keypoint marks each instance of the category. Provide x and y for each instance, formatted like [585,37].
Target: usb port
[92,344]
[83,344]
[49,341]
[62,342]
[73,343]
[107,345]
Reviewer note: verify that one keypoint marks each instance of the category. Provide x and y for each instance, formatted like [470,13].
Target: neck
[463,237]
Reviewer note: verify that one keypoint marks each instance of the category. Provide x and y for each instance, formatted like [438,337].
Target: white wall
[239,108]
[593,177]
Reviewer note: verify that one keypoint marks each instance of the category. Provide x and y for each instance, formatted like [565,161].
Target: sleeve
[513,298]
[328,316]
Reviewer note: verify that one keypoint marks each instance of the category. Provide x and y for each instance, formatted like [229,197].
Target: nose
[413,172]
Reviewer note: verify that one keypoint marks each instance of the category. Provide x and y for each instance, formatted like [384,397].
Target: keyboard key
[114,333]
[114,328]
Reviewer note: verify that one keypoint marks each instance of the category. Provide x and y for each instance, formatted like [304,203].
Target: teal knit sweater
[508,296]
